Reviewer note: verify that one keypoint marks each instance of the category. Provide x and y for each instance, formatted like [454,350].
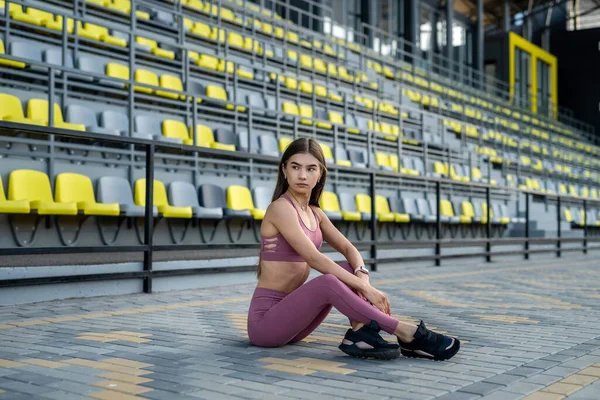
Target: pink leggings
[276,318]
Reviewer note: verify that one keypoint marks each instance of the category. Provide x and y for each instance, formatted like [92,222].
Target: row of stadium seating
[30,191]
[111,122]
[375,66]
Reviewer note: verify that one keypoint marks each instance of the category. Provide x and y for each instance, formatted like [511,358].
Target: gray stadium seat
[242,141]
[340,153]
[357,157]
[408,206]
[150,127]
[113,189]
[267,145]
[183,194]
[271,103]
[163,17]
[117,121]
[94,66]
[262,197]
[416,163]
[77,114]
[213,196]
[226,136]
[28,51]
[54,56]
[256,101]
[348,203]
[425,208]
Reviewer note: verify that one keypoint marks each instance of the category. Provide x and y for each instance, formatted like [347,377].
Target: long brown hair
[302,145]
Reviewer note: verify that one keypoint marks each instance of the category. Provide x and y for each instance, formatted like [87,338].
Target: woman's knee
[329,279]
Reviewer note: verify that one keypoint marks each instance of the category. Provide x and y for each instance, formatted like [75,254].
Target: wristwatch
[361,269]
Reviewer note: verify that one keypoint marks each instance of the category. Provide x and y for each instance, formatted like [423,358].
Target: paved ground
[530,330]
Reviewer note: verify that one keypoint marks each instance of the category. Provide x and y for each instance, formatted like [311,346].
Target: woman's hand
[377,298]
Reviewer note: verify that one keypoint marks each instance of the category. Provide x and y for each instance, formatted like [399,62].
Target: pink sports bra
[276,248]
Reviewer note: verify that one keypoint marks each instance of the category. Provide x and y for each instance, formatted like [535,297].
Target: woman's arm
[283,216]
[338,241]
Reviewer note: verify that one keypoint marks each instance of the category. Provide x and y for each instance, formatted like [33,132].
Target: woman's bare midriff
[283,276]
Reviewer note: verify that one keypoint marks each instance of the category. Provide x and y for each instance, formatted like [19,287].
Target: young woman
[284,309]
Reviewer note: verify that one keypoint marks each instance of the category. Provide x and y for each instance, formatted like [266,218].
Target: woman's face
[303,172]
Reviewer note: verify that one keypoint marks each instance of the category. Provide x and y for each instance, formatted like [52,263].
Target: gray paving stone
[525,371]
[22,387]
[561,371]
[501,395]
[459,396]
[524,387]
[73,387]
[503,379]
[61,395]
[481,388]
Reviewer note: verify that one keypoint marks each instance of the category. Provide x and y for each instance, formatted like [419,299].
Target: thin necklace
[301,206]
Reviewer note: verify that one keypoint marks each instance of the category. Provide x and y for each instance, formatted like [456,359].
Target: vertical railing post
[373,222]
[558,227]
[585,226]
[438,224]
[526,225]
[149,218]
[488,225]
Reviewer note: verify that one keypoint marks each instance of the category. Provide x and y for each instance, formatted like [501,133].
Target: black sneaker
[367,343]
[431,345]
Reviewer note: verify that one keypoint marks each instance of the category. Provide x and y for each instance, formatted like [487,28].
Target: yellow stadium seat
[193,56]
[292,37]
[382,208]
[307,112]
[456,177]
[11,110]
[306,87]
[327,153]
[332,96]
[332,69]
[266,28]
[154,49]
[99,33]
[218,93]
[336,118]
[217,34]
[159,200]
[396,165]
[12,206]
[124,6]
[145,77]
[321,91]
[78,189]
[440,168]
[284,143]
[382,160]
[447,211]
[235,40]
[329,202]
[239,198]
[34,188]
[468,210]
[173,83]
[37,109]
[501,219]
[201,29]
[206,138]
[306,61]
[177,130]
[252,45]
[290,108]
[320,65]
[208,62]
[118,71]
[291,83]
[15,64]
[33,16]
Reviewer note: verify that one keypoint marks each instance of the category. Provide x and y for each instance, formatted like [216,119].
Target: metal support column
[438,224]
[373,223]
[449,23]
[149,218]
[585,226]
[488,224]
[479,40]
[507,16]
[558,230]
[527,226]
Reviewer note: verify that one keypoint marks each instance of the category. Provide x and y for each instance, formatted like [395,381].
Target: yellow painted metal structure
[536,53]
